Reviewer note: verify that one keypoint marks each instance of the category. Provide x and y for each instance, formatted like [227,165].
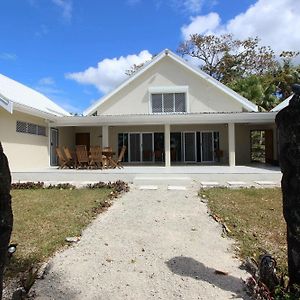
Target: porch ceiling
[157,119]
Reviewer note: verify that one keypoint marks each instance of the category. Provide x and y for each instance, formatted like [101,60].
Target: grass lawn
[44,218]
[254,217]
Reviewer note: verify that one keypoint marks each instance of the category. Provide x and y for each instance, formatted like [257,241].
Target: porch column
[231,144]
[167,146]
[104,136]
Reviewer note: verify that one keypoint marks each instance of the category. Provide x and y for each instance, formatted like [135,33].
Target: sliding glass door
[134,147]
[199,146]
[190,147]
[189,139]
[147,147]
[207,143]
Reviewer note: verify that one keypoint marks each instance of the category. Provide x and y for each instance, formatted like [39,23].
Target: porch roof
[172,119]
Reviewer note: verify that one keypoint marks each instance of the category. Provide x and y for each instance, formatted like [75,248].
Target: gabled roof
[283,104]
[14,94]
[246,104]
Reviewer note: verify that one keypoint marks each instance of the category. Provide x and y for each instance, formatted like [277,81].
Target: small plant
[62,186]
[98,185]
[284,292]
[27,185]
[118,186]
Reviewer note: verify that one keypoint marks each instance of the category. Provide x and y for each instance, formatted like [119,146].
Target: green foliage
[256,89]
[245,66]
[286,293]
[228,59]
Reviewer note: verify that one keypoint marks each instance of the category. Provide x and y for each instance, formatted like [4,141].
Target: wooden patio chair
[82,156]
[71,157]
[108,161]
[121,157]
[62,160]
[96,156]
[108,149]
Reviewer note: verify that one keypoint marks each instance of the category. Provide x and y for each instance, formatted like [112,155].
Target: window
[168,102]
[24,127]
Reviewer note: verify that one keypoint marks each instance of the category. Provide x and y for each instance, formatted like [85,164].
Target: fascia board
[6,104]
[34,112]
[283,104]
[160,119]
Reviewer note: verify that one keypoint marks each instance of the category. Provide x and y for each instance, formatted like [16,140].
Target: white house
[25,117]
[168,112]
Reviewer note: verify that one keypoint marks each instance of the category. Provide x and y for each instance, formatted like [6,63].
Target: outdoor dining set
[94,158]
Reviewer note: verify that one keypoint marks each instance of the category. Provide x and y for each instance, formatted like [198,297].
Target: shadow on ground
[54,288]
[189,267]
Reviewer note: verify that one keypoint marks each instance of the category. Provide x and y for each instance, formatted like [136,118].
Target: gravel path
[149,245]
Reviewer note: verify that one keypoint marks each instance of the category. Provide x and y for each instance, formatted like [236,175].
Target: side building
[25,121]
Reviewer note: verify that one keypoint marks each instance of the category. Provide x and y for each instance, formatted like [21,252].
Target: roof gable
[246,104]
[15,93]
[283,104]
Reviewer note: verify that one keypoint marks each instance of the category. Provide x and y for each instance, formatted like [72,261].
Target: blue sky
[75,51]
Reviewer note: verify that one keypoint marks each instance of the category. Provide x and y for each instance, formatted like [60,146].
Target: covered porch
[222,139]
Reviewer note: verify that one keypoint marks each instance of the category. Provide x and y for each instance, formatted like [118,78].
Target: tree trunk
[288,124]
[6,216]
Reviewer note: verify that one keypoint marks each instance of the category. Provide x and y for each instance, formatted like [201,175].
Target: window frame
[169,90]
[31,128]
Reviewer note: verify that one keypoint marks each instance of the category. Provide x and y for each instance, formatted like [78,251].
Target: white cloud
[201,24]
[66,6]
[8,56]
[188,6]
[193,5]
[275,22]
[109,73]
[46,81]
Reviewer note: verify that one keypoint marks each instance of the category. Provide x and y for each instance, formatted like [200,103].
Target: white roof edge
[160,119]
[19,93]
[36,112]
[6,104]
[283,104]
[245,102]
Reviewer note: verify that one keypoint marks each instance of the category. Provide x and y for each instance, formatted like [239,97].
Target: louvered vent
[21,126]
[42,130]
[156,103]
[180,102]
[168,103]
[30,128]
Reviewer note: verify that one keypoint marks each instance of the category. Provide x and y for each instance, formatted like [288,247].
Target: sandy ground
[149,245]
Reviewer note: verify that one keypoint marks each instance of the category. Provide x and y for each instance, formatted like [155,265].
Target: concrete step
[206,184]
[166,180]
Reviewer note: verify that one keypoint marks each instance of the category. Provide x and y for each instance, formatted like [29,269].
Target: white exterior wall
[202,96]
[66,137]
[24,151]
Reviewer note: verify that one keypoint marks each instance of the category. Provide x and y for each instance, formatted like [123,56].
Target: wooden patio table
[110,163]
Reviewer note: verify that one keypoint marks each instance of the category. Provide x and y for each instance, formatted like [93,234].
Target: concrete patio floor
[252,175]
